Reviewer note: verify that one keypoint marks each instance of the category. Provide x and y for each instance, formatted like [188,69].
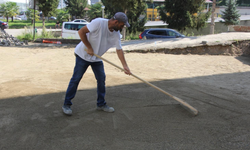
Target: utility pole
[212,24]
[34,22]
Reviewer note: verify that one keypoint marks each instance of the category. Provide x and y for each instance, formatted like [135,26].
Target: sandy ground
[45,70]
[34,80]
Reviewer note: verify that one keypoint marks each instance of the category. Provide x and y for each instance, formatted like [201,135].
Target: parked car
[52,18]
[3,25]
[160,33]
[70,29]
[80,20]
[17,18]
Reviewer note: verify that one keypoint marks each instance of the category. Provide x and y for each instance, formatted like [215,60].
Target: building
[152,12]
[23,4]
[94,1]
[61,4]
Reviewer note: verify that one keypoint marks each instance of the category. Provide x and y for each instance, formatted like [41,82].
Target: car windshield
[157,32]
[76,27]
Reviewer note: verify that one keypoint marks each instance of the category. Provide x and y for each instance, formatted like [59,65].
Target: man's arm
[82,33]
[120,55]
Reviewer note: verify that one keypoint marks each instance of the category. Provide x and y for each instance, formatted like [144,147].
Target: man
[57,25]
[96,37]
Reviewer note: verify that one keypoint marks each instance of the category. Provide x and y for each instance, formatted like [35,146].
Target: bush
[28,34]
[132,36]
[46,34]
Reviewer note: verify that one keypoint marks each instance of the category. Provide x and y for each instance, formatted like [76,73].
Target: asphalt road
[17,32]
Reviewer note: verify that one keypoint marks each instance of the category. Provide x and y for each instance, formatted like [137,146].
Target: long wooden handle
[183,103]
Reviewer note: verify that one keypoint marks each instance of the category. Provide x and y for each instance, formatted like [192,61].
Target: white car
[23,17]
[17,18]
[70,29]
[80,20]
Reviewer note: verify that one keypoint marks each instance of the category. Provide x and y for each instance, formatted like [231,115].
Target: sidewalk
[17,32]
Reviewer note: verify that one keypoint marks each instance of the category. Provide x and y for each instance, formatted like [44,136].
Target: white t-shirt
[100,38]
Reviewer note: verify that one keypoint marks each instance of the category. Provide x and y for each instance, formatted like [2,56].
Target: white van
[70,29]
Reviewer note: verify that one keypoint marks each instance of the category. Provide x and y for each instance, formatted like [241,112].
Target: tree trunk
[212,24]
[7,18]
[124,29]
[43,20]
[12,18]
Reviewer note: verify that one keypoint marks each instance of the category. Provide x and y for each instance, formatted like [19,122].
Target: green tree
[95,11]
[231,14]
[137,17]
[134,9]
[30,15]
[76,7]
[62,15]
[10,9]
[47,7]
[181,14]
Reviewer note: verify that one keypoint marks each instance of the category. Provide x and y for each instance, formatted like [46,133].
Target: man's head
[121,20]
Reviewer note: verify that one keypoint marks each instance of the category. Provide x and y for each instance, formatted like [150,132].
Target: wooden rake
[182,103]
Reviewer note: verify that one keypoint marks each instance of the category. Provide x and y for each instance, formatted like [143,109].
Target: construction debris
[9,40]
[53,42]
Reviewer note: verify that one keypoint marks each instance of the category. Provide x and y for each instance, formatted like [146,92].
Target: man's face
[118,26]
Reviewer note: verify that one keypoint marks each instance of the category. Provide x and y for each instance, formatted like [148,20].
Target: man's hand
[127,70]
[90,51]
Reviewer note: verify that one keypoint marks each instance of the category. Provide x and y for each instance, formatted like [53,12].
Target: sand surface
[28,71]
[34,80]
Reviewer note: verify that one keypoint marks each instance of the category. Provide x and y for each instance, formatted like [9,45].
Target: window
[157,32]
[76,27]
[171,33]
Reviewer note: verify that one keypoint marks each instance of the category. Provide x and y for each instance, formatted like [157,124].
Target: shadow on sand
[144,119]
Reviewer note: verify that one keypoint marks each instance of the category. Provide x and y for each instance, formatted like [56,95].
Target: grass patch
[18,24]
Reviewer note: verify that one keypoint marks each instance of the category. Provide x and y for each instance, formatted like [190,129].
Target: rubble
[9,40]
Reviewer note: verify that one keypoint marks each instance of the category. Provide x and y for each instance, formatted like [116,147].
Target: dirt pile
[237,48]
[242,47]
[9,40]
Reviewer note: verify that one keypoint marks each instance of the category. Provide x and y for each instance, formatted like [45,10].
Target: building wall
[152,14]
[242,10]
[219,28]
[22,6]
[239,28]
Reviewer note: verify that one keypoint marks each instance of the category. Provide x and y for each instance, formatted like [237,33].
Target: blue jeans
[80,68]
